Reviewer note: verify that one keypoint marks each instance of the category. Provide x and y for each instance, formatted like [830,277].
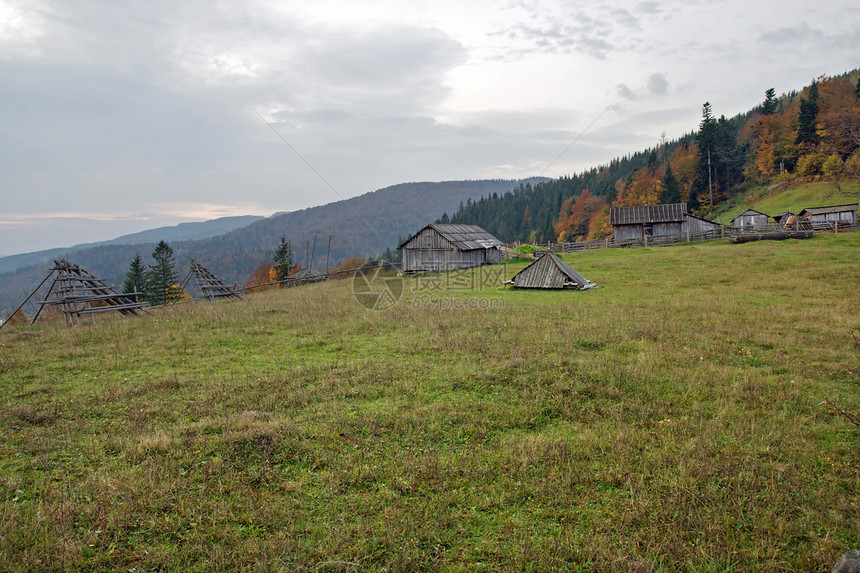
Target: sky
[119,115]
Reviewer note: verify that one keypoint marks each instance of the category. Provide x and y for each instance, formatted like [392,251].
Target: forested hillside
[809,135]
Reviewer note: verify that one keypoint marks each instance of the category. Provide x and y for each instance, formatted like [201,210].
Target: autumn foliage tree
[347,267]
[643,188]
[261,275]
[575,216]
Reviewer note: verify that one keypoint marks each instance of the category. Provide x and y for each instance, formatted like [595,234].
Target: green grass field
[672,420]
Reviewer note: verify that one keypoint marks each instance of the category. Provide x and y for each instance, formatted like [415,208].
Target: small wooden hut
[550,272]
[447,247]
[750,220]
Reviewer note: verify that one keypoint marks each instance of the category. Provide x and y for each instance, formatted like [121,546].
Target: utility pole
[710,188]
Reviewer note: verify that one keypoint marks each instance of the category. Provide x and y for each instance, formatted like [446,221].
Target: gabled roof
[647,214]
[750,212]
[549,272]
[826,210]
[308,274]
[464,237]
[690,216]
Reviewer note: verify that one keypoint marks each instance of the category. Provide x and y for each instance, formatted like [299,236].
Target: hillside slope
[776,199]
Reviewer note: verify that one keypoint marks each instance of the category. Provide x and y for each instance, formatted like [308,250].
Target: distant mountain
[364,226]
[180,232]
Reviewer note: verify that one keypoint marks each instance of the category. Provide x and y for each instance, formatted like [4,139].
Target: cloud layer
[116,108]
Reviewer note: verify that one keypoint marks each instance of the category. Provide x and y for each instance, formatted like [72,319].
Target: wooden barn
[642,221]
[751,220]
[447,247]
[841,214]
[550,272]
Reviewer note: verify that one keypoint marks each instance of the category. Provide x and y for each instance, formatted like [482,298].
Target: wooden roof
[750,212]
[647,214]
[549,272]
[826,210]
[464,237]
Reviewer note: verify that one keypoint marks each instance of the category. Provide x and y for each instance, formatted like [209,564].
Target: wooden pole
[314,248]
[328,255]
[29,297]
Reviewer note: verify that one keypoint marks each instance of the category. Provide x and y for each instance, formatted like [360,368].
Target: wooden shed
[841,214]
[751,220]
[447,247]
[670,221]
[550,272]
[638,222]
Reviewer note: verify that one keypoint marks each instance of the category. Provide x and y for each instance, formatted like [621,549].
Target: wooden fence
[723,232]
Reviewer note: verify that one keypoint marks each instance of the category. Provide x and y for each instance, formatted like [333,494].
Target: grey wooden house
[672,221]
[446,247]
[550,272]
[751,220]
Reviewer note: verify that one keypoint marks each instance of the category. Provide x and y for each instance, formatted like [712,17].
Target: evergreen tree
[670,191]
[857,88]
[283,259]
[161,277]
[135,279]
[807,131]
[769,105]
[707,140]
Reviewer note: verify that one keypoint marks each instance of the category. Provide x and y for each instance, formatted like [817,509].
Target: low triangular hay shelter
[76,291]
[550,272]
[211,287]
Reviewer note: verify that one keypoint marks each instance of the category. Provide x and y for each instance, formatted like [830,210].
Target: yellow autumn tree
[643,189]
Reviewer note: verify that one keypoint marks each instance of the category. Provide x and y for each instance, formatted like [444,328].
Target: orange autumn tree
[575,216]
[642,189]
[262,274]
[839,118]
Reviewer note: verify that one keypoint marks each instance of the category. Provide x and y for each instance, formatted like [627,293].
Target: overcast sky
[118,116]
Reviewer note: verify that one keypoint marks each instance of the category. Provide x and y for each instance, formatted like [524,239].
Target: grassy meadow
[672,420]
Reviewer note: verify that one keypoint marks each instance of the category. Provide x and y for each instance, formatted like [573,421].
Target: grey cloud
[792,35]
[623,90]
[588,36]
[657,84]
[649,8]
[625,18]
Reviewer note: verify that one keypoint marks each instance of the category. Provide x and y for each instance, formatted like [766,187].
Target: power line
[569,145]
[318,174]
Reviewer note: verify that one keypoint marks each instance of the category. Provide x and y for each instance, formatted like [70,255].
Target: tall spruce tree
[161,277]
[769,105]
[283,260]
[670,191]
[807,129]
[706,140]
[135,279]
